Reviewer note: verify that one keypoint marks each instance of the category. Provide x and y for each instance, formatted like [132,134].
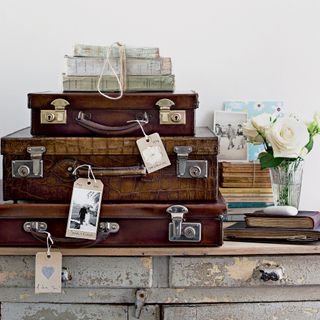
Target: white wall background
[224,49]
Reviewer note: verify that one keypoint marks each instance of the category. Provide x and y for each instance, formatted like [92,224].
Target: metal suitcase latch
[168,116]
[56,116]
[36,226]
[29,168]
[180,230]
[189,168]
[111,227]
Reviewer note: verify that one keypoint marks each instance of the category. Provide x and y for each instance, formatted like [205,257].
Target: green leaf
[268,161]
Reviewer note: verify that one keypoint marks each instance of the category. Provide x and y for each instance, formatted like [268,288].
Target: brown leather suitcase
[40,168]
[91,114]
[127,225]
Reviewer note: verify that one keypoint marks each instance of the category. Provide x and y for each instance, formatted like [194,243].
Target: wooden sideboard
[236,281]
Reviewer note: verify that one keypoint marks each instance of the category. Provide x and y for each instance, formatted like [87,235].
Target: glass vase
[286,181]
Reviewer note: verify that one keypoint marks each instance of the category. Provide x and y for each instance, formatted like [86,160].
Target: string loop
[122,81]
[90,171]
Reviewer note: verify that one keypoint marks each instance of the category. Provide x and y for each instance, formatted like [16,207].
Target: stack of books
[145,69]
[301,227]
[245,187]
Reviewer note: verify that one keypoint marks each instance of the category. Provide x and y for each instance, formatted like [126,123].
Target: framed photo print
[253,109]
[228,127]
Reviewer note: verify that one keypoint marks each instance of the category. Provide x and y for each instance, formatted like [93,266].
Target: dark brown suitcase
[126,225]
[91,114]
[40,168]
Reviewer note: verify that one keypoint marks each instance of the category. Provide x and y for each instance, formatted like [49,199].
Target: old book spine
[246,174]
[83,50]
[245,190]
[109,83]
[245,184]
[92,66]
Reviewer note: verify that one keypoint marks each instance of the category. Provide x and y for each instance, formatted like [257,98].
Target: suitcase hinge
[56,116]
[29,168]
[36,226]
[168,116]
[189,168]
[180,230]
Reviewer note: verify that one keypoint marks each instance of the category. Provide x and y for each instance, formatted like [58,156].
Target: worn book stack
[305,226]
[131,171]
[245,187]
[145,69]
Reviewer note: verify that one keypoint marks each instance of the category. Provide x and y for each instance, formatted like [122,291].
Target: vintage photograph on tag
[84,209]
[48,272]
[153,153]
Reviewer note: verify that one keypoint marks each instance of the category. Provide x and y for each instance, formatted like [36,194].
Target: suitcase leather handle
[137,171]
[71,242]
[101,129]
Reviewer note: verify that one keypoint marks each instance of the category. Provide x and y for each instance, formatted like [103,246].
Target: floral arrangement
[284,138]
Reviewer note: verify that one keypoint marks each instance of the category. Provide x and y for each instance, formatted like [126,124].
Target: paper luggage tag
[48,272]
[153,153]
[85,209]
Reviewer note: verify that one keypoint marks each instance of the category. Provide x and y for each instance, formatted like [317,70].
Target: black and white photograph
[84,214]
[228,126]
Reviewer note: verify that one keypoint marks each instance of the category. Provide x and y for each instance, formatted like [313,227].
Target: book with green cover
[85,50]
[92,66]
[109,83]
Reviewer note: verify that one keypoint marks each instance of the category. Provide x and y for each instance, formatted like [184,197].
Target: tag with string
[48,269]
[152,150]
[85,206]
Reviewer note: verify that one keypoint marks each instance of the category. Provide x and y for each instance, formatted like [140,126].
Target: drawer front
[252,271]
[48,311]
[86,272]
[261,311]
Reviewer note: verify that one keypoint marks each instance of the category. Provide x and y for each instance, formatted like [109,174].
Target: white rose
[262,122]
[288,137]
[251,133]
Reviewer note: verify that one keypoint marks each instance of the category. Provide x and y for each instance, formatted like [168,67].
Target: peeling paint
[214,269]
[7,275]
[147,262]
[241,269]
[310,310]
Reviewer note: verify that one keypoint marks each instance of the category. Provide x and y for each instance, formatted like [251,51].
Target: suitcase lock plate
[29,168]
[168,116]
[189,168]
[180,230]
[56,116]
[35,226]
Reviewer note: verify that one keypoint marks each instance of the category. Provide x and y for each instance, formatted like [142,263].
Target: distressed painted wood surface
[261,311]
[229,248]
[87,272]
[165,295]
[49,311]
[242,271]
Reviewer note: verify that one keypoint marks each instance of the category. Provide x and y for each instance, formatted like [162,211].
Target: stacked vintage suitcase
[178,205]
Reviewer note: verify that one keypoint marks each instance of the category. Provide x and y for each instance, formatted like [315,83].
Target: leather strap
[71,242]
[101,129]
[115,171]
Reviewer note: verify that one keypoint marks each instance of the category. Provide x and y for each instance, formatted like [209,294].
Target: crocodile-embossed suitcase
[131,224]
[40,168]
[91,114]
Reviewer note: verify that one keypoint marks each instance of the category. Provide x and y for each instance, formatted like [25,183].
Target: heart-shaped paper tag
[47,271]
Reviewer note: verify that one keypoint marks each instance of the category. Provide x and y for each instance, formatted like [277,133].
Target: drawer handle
[271,273]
